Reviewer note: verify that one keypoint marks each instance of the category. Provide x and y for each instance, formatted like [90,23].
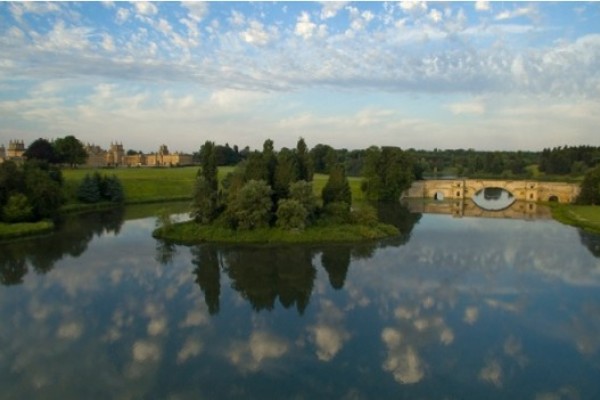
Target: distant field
[158,184]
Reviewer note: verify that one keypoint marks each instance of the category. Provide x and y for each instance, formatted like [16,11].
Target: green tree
[41,149]
[286,173]
[291,214]
[302,192]
[590,188]
[205,203]
[305,170]
[337,188]
[11,180]
[17,209]
[43,192]
[88,190]
[388,172]
[252,206]
[113,189]
[69,150]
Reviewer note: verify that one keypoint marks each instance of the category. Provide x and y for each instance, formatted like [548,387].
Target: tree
[69,150]
[11,180]
[286,173]
[337,188]
[113,189]
[590,188]
[205,202]
[252,206]
[291,214]
[302,192]
[43,192]
[88,191]
[388,172]
[17,209]
[305,172]
[41,149]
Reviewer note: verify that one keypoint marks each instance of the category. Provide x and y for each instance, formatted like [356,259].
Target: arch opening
[493,199]
[553,198]
[438,196]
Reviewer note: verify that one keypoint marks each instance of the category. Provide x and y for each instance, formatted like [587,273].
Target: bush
[17,209]
[98,187]
[337,212]
[302,192]
[252,205]
[366,215]
[88,191]
[291,214]
[590,188]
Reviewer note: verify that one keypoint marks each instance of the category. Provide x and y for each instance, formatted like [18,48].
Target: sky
[447,75]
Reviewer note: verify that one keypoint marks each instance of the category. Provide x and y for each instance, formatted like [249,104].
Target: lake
[454,308]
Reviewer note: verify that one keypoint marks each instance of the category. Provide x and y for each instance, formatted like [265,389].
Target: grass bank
[23,229]
[191,232]
[585,217]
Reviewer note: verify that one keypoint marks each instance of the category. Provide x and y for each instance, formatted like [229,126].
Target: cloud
[255,34]
[70,330]
[260,348]
[476,107]
[329,334]
[331,8]
[304,27]
[482,5]
[529,11]
[492,373]
[122,15]
[402,361]
[145,351]
[145,8]
[471,315]
[191,348]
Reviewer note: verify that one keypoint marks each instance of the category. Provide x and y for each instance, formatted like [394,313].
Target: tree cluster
[388,171]
[569,160]
[590,188]
[267,189]
[68,150]
[29,192]
[95,188]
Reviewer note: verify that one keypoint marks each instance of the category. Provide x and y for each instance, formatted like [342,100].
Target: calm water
[455,308]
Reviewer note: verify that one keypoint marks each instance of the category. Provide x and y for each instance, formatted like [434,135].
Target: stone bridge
[530,191]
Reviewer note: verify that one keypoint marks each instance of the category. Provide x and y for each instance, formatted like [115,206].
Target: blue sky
[483,75]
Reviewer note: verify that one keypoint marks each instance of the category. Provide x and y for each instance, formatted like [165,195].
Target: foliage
[303,193]
[590,188]
[69,150]
[11,180]
[388,172]
[291,214]
[305,169]
[43,192]
[337,188]
[95,188]
[565,160]
[337,212]
[365,215]
[252,206]
[17,209]
[205,201]
[286,172]
[41,149]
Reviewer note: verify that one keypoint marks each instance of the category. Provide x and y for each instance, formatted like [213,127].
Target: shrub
[337,212]
[366,215]
[17,209]
[252,205]
[302,192]
[291,214]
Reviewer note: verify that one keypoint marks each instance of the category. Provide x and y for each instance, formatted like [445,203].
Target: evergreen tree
[286,173]
[205,203]
[337,188]
[113,189]
[305,171]
[89,191]
[388,172]
[302,192]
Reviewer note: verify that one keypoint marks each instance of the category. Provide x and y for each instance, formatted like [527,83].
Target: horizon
[487,76]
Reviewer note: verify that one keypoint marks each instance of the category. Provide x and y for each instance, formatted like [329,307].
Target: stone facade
[116,156]
[14,152]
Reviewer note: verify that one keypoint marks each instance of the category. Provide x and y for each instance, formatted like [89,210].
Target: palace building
[15,151]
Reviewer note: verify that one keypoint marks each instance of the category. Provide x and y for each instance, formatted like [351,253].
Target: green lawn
[166,184]
[586,217]
[9,231]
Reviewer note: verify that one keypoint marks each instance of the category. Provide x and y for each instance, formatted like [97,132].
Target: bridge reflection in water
[468,208]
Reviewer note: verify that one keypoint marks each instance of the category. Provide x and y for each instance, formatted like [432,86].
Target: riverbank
[585,217]
[190,232]
[24,229]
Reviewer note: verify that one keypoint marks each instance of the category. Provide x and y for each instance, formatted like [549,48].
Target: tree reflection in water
[591,241]
[71,238]
[264,274]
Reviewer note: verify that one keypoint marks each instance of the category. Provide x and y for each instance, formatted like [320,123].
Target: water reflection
[468,308]
[493,199]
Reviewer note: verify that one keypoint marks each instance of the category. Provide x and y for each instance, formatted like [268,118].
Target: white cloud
[122,15]
[304,27]
[471,315]
[70,330]
[529,11]
[435,15]
[331,8]
[145,8]
[146,351]
[197,10]
[413,7]
[255,34]
[191,348]
[482,5]
[260,348]
[492,373]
